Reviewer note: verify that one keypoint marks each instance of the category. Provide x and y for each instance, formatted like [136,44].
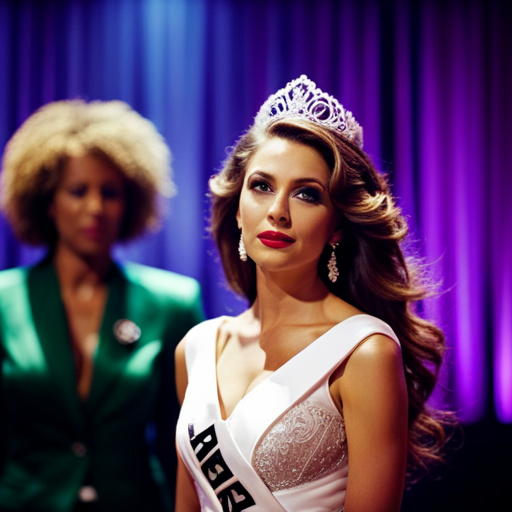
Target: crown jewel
[302,98]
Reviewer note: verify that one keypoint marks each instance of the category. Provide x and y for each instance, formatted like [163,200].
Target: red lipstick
[275,239]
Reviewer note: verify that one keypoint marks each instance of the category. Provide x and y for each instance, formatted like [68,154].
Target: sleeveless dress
[283,448]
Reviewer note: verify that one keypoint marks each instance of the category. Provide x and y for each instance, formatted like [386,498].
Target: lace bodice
[308,442]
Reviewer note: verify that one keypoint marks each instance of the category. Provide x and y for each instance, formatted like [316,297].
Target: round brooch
[126,331]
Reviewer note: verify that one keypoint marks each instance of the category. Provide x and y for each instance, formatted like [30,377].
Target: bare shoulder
[373,393]
[375,368]
[180,365]
[377,349]
[179,352]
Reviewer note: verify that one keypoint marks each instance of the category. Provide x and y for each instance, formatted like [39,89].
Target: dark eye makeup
[260,185]
[309,194]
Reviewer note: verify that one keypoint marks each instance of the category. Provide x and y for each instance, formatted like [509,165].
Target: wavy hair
[375,274]
[34,157]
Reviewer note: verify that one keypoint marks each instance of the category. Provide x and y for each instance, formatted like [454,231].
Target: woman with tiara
[314,398]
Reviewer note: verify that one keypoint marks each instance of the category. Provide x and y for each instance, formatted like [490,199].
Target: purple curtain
[429,81]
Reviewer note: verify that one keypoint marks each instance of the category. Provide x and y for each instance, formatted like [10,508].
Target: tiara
[302,98]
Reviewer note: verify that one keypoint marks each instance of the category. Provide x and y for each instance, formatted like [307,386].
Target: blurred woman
[87,343]
[314,399]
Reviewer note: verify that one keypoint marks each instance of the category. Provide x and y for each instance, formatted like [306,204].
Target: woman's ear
[238,219]
[336,237]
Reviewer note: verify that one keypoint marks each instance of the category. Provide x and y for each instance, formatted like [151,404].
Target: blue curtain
[429,81]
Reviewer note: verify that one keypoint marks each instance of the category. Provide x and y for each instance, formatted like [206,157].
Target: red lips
[93,232]
[275,239]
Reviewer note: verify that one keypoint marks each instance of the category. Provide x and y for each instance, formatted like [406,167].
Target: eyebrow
[269,177]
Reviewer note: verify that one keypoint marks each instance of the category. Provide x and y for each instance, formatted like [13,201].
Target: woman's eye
[310,195]
[261,186]
[110,193]
[77,191]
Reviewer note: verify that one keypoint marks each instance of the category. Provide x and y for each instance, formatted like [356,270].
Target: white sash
[201,402]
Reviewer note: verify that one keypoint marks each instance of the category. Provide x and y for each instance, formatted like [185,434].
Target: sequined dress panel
[307,443]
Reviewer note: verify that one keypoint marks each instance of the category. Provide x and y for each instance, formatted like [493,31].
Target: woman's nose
[279,211]
[95,203]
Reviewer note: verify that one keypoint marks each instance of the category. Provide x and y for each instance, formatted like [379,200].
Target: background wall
[430,82]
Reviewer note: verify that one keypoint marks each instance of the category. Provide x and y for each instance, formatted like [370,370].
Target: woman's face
[285,211]
[88,206]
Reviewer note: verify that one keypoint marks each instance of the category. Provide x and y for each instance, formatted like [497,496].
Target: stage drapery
[429,81]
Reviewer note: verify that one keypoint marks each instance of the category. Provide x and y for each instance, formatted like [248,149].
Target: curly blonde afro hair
[33,160]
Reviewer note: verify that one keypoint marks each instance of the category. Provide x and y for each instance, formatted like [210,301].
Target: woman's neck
[285,298]
[75,272]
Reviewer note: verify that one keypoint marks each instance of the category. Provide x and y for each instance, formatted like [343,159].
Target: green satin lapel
[51,327]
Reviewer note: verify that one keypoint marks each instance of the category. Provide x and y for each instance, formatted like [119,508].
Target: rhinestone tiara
[302,98]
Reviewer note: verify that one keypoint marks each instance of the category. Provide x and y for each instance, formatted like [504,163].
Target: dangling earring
[241,249]
[332,266]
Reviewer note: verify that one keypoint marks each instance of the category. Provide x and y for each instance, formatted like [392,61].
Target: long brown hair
[375,274]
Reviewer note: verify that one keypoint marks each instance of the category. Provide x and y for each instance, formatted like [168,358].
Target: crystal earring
[241,249]
[332,266]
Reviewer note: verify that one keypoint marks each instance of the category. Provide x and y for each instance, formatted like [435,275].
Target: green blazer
[120,441]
